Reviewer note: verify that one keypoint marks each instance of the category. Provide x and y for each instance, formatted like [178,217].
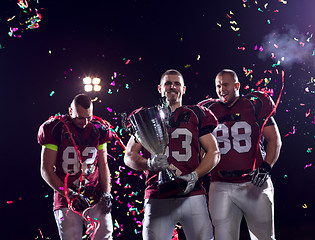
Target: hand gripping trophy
[150,128]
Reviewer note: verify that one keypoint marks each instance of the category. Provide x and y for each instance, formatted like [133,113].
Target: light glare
[97,88]
[96,81]
[88,88]
[87,80]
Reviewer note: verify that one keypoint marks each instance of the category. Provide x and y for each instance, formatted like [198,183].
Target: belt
[234,173]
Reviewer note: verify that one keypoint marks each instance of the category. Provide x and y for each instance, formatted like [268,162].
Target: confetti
[307,166]
[28,18]
[308,113]
[293,132]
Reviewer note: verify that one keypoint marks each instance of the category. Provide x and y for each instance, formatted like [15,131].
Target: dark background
[138,40]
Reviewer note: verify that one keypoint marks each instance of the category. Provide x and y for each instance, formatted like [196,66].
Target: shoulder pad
[208,102]
[262,102]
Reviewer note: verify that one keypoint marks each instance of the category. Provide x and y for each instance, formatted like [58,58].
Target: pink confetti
[293,132]
[40,231]
[259,82]
[307,114]
[306,166]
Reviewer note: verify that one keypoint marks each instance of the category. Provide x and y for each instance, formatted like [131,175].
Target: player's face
[227,89]
[81,116]
[172,87]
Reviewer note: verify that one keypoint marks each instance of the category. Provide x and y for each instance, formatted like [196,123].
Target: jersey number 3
[241,137]
[185,144]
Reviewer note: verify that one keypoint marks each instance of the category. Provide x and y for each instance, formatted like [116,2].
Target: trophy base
[172,188]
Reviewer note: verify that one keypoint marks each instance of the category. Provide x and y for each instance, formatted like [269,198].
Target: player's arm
[132,157]
[48,161]
[210,160]
[211,154]
[104,173]
[104,177]
[134,160]
[273,138]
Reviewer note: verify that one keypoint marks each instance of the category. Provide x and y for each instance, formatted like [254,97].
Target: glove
[261,174]
[158,163]
[79,201]
[191,180]
[105,202]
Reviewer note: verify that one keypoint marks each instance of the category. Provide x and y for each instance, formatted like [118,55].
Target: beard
[172,98]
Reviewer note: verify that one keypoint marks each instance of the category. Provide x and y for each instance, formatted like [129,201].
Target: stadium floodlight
[92,84]
[87,80]
[96,81]
[88,88]
[97,88]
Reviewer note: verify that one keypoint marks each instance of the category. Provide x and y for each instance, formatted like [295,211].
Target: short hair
[228,71]
[171,72]
[83,100]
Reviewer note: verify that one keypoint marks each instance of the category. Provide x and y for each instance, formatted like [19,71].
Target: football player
[190,129]
[240,183]
[74,164]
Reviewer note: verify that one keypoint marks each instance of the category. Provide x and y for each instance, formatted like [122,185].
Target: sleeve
[207,121]
[47,134]
[106,134]
[264,106]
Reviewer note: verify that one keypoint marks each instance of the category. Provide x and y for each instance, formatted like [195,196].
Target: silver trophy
[150,127]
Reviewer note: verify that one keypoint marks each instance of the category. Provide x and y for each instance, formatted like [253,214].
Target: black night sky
[129,44]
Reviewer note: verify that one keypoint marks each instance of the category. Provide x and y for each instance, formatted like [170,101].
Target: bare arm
[273,138]
[48,161]
[132,157]
[211,157]
[104,173]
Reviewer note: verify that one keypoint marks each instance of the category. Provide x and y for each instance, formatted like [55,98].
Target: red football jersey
[238,133]
[187,123]
[54,132]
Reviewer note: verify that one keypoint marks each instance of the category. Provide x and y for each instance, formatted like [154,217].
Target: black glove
[261,174]
[79,201]
[105,203]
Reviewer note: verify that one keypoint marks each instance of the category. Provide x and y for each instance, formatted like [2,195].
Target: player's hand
[79,201]
[158,163]
[261,174]
[105,203]
[191,180]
